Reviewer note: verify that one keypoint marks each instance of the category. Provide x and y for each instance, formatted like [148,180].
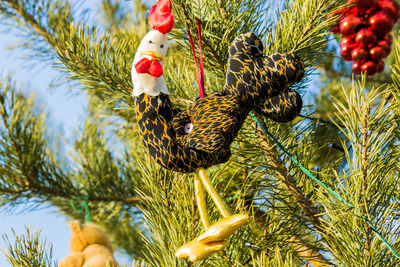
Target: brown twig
[299,245]
[302,201]
[31,21]
[13,191]
[303,249]
[49,193]
[308,253]
[290,185]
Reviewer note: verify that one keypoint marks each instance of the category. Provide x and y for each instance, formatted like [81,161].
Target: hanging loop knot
[84,206]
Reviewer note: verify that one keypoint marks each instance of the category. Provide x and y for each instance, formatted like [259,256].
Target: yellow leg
[215,237]
[201,203]
[213,193]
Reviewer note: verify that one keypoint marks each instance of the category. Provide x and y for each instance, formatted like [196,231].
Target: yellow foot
[213,240]
[196,251]
[222,229]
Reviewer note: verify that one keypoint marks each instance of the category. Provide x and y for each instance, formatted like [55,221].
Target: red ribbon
[199,73]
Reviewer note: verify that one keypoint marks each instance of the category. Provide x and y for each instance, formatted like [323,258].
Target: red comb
[160,17]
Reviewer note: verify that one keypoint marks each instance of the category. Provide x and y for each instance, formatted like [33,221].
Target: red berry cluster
[366,27]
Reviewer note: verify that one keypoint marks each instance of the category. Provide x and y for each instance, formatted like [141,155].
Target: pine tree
[347,136]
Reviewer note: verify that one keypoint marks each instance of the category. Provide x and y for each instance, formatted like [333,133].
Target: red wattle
[155,69]
[143,65]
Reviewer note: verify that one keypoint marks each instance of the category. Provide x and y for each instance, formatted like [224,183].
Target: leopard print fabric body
[154,116]
[262,82]
[253,82]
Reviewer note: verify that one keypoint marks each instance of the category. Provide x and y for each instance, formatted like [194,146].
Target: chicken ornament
[200,136]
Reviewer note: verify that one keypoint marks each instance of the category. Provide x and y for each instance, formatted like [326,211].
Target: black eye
[150,41]
[161,46]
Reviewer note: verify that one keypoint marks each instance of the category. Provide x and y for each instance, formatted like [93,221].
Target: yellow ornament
[214,238]
[195,250]
[223,228]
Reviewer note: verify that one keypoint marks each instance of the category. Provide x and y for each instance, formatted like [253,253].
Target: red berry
[356,68]
[381,24]
[359,54]
[369,68]
[380,67]
[346,41]
[349,25]
[391,8]
[354,11]
[385,47]
[377,53]
[345,51]
[365,37]
[389,38]
[362,3]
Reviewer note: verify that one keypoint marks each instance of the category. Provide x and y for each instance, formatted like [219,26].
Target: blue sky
[67,111]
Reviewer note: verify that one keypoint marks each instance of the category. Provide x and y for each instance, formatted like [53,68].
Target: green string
[84,207]
[336,195]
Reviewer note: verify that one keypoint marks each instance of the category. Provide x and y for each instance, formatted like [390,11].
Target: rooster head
[147,68]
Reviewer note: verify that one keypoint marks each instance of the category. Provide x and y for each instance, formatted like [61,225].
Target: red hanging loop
[199,73]
[201,85]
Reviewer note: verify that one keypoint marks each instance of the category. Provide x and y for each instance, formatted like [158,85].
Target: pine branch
[26,160]
[300,246]
[303,28]
[139,264]
[221,6]
[48,194]
[305,32]
[29,170]
[115,15]
[89,57]
[192,26]
[290,183]
[370,133]
[221,22]
[37,24]
[308,252]
[364,169]
[29,250]
[18,8]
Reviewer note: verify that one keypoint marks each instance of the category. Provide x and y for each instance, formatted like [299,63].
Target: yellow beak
[152,55]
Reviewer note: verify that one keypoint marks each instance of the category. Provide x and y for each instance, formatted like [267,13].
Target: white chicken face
[154,42]
[154,46]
